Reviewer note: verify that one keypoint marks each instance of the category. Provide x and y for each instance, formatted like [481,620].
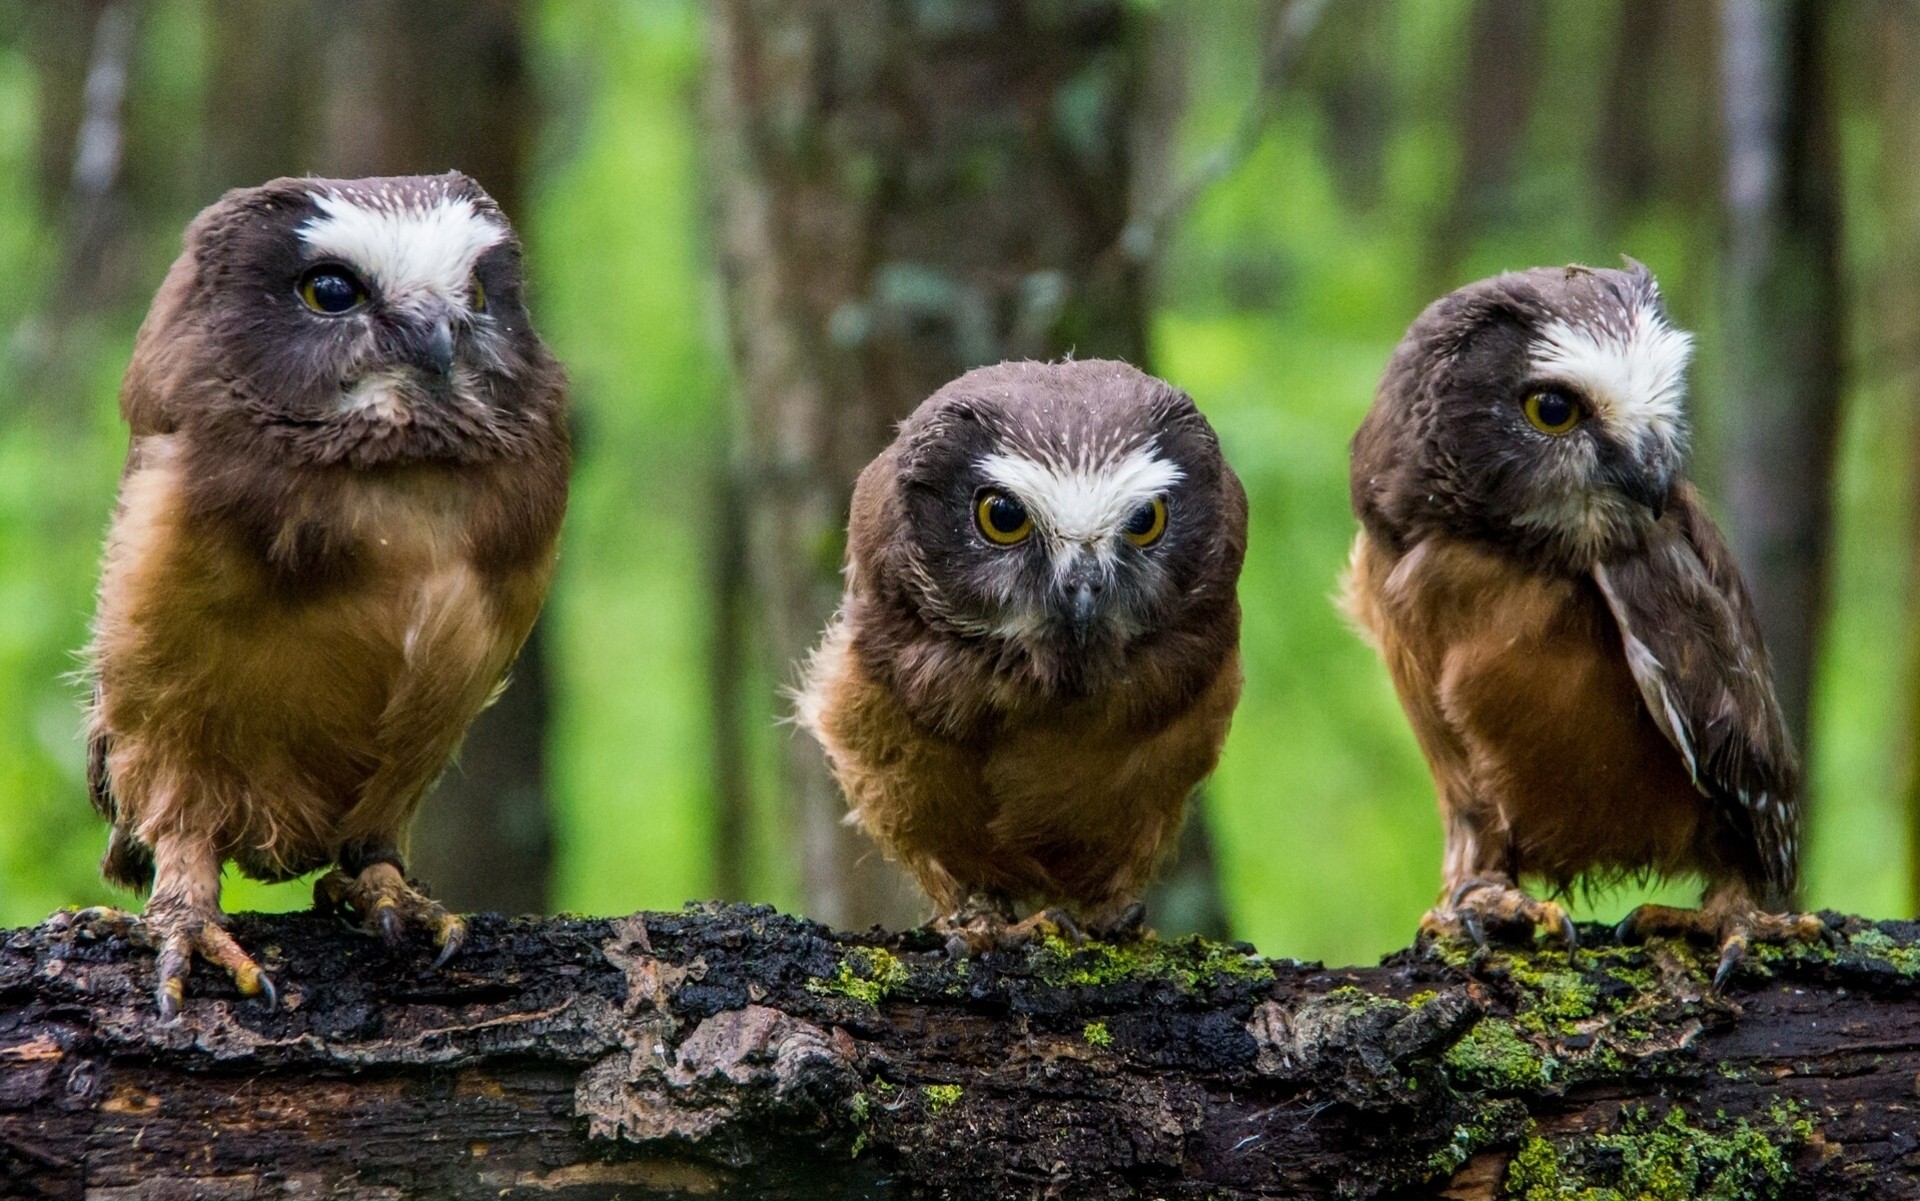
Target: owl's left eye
[479,295]
[331,289]
[1145,525]
[1551,412]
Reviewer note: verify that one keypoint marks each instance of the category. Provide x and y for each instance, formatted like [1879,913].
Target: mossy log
[735,1052]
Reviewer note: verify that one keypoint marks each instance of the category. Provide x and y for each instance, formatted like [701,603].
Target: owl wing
[1692,641]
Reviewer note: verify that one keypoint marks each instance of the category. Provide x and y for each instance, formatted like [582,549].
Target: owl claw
[181,936]
[1733,926]
[387,904]
[451,934]
[1485,903]
[1476,929]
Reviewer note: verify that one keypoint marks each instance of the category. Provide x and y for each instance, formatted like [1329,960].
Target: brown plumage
[1566,629]
[335,529]
[1019,713]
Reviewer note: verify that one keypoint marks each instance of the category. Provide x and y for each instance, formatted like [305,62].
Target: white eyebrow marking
[410,248]
[1083,503]
[1635,376]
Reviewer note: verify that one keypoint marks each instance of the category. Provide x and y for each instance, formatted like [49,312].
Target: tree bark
[1783,327]
[903,192]
[731,1051]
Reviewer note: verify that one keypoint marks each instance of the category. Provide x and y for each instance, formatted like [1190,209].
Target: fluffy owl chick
[1038,652]
[1567,631]
[335,527]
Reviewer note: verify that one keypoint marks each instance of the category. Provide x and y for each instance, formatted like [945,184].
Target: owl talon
[1476,930]
[1492,903]
[1127,927]
[387,905]
[392,930]
[452,933]
[182,935]
[1731,925]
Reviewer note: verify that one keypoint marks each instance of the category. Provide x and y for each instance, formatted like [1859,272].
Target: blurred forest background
[759,231]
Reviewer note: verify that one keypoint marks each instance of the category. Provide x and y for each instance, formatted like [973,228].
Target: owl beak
[1082,596]
[1643,487]
[440,347]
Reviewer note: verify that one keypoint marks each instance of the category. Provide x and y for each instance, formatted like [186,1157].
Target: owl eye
[1551,412]
[331,289]
[1002,519]
[479,295]
[1145,525]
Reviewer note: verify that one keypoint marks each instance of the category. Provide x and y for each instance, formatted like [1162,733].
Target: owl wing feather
[1693,643]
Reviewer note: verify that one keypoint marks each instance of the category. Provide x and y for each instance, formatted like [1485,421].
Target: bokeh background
[760,230]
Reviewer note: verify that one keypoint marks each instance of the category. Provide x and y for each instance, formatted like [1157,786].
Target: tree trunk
[1782,328]
[903,192]
[730,1051]
[1894,309]
[1496,96]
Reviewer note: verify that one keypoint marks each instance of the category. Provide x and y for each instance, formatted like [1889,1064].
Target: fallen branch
[732,1051]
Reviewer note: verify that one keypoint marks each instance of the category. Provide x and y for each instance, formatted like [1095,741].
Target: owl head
[1539,409]
[1059,515]
[359,321]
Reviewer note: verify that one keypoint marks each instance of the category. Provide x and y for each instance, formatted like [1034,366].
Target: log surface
[734,1052]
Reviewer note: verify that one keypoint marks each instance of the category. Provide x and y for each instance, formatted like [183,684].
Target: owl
[1564,625]
[1037,655]
[335,527]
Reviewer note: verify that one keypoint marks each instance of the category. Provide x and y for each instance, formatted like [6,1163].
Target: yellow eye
[1147,523]
[331,289]
[1002,519]
[479,295]
[1550,412]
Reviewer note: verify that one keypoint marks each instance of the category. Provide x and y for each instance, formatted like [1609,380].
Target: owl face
[1541,408]
[368,321]
[1064,511]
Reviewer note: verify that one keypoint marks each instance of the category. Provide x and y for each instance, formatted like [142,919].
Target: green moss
[1875,944]
[1557,994]
[1191,964]
[1494,1056]
[1421,998]
[1097,1034]
[867,974]
[941,1096]
[1670,1159]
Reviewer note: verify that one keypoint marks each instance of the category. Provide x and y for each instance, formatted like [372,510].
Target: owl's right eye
[1551,412]
[331,289]
[1002,519]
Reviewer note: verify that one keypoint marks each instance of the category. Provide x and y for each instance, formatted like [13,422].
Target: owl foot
[985,923]
[386,905]
[1733,930]
[182,931]
[1129,925]
[1493,903]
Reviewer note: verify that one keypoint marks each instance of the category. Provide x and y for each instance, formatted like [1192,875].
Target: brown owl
[1565,627]
[1038,652]
[335,528]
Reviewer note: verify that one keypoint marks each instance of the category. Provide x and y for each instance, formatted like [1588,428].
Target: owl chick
[335,528]
[1566,629]
[1037,656]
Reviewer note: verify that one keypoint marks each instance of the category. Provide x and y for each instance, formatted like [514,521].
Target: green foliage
[1097,1034]
[941,1096]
